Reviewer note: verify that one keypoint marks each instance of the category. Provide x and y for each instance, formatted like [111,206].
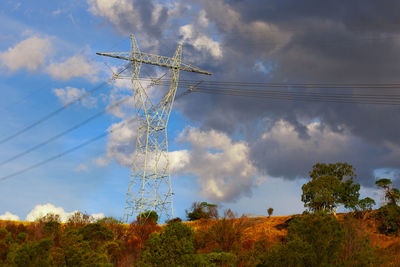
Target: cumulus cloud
[42,210]
[285,42]
[30,54]
[8,216]
[145,17]
[282,152]
[120,144]
[223,167]
[75,66]
[69,94]
[200,41]
[307,42]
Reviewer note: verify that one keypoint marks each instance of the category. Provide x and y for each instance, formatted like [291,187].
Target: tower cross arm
[156,60]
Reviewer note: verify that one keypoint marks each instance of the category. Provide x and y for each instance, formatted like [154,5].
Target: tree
[270,211]
[321,240]
[172,247]
[203,210]
[339,170]
[392,194]
[148,215]
[389,215]
[331,185]
[79,219]
[364,206]
[312,240]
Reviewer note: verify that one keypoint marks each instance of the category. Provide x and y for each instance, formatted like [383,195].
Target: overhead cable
[67,105]
[66,152]
[55,137]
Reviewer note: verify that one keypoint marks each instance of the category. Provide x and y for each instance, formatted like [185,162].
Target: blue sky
[257,154]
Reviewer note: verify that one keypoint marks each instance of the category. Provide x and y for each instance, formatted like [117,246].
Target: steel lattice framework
[150,182]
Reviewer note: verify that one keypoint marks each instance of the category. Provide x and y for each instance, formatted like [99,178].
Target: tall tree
[392,194]
[331,185]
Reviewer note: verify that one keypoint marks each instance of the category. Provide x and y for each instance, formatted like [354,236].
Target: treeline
[318,237]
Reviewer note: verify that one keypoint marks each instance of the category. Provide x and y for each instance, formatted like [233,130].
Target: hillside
[243,241]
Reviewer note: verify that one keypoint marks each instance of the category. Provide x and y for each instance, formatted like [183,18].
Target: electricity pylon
[150,182]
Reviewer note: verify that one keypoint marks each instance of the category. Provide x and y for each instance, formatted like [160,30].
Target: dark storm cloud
[309,42]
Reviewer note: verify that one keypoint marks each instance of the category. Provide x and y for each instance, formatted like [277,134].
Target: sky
[242,153]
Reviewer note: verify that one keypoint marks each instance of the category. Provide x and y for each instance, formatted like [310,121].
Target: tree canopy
[203,210]
[331,185]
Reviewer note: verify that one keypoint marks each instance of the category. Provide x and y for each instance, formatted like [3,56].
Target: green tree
[312,240]
[389,215]
[202,210]
[172,247]
[321,240]
[34,253]
[270,211]
[331,185]
[148,215]
[392,194]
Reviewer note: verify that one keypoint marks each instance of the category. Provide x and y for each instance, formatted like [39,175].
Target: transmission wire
[55,112]
[60,154]
[53,138]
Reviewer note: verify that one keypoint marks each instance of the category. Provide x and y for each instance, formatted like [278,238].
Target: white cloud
[8,216]
[200,41]
[42,210]
[97,216]
[120,144]
[75,66]
[69,94]
[222,166]
[31,54]
[202,19]
[118,12]
[320,142]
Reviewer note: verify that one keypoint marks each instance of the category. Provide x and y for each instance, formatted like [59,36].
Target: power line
[281,85]
[55,112]
[53,138]
[351,99]
[60,154]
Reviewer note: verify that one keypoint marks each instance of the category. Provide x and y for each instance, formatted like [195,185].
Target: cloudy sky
[243,153]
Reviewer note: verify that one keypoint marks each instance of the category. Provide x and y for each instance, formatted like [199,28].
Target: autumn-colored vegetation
[262,241]
[318,237]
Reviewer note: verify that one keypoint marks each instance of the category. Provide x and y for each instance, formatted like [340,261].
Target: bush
[225,235]
[202,210]
[172,247]
[148,215]
[389,217]
[320,240]
[312,240]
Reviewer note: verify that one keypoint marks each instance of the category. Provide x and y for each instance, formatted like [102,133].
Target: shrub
[202,210]
[172,247]
[389,217]
[147,215]
[312,240]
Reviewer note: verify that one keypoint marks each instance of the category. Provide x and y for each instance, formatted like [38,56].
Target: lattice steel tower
[150,182]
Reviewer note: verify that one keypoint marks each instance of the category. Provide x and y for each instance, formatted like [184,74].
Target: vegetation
[319,237]
[202,210]
[332,185]
[389,215]
[148,215]
[270,211]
